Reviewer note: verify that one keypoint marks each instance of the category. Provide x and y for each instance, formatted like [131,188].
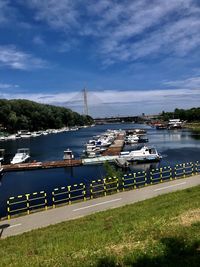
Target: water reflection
[195,136]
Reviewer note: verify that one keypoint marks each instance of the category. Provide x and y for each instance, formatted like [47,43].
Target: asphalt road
[44,218]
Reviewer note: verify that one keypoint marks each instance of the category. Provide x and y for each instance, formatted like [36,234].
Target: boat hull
[20,161]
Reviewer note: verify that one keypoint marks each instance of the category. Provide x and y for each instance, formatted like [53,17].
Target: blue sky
[134,56]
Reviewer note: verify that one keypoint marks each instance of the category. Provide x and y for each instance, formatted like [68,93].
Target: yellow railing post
[84,192]
[69,187]
[8,209]
[27,203]
[183,170]
[134,177]
[104,185]
[161,170]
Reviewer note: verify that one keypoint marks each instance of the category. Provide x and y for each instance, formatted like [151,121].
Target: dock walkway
[116,147]
[42,165]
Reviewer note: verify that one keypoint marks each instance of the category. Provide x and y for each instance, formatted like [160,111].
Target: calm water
[176,146]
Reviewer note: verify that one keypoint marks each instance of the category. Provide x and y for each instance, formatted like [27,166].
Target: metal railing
[27,203]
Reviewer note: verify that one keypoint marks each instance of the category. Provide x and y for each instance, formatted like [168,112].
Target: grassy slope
[163,231]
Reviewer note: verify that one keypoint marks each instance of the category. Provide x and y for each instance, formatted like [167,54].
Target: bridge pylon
[85,111]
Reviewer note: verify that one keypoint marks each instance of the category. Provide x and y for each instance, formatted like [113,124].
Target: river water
[176,146]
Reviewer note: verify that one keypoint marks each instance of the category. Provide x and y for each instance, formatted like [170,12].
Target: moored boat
[24,133]
[144,154]
[68,154]
[2,153]
[1,171]
[132,139]
[22,155]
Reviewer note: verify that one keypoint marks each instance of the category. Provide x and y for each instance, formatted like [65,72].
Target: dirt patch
[189,217]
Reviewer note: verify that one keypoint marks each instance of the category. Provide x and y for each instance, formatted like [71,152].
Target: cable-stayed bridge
[87,102]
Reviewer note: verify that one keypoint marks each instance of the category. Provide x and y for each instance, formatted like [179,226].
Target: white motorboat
[22,155]
[2,153]
[24,133]
[36,134]
[142,155]
[132,139]
[175,124]
[1,171]
[11,137]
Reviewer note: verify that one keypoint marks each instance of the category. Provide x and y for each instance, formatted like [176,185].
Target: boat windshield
[23,150]
[152,151]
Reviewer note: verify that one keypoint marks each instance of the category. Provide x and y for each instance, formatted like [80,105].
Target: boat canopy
[23,150]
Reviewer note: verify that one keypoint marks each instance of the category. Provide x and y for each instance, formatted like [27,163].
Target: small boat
[36,134]
[68,154]
[11,137]
[24,133]
[22,155]
[143,139]
[174,124]
[161,126]
[1,171]
[135,131]
[2,153]
[74,129]
[132,139]
[145,154]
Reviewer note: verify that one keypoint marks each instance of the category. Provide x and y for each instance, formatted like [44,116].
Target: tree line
[23,114]
[190,115]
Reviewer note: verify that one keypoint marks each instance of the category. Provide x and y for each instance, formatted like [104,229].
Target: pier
[42,165]
[116,147]
[109,155]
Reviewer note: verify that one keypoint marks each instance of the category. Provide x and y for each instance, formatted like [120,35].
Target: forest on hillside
[189,115]
[28,115]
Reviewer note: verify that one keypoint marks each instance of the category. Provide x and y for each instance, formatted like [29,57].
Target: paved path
[41,219]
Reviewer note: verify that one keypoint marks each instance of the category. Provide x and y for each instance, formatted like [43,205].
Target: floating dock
[116,147]
[98,160]
[41,165]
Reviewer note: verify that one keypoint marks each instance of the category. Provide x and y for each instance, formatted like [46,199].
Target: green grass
[163,231]
[195,126]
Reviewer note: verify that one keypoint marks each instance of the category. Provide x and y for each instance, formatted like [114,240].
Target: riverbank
[194,126]
[162,231]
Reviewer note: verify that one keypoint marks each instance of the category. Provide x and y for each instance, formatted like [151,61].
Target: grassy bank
[163,231]
[194,126]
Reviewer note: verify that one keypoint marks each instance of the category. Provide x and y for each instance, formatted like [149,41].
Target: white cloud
[12,58]
[60,14]
[192,83]
[126,30]
[5,86]
[113,102]
[5,11]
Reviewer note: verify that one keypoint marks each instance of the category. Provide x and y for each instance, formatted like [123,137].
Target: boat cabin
[24,151]
[68,155]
